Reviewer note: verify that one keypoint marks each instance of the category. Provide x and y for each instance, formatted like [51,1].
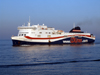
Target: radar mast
[29,21]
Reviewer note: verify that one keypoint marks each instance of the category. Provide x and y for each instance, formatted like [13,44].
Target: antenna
[29,21]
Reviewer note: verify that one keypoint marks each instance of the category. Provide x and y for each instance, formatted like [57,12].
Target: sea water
[81,59]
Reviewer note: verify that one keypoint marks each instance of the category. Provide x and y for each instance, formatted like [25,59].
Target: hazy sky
[60,14]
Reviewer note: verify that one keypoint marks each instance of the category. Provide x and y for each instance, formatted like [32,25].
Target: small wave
[25,45]
[48,63]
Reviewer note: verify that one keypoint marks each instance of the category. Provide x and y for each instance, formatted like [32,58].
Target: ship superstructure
[41,34]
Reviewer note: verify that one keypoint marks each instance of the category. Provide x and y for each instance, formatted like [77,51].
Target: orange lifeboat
[60,31]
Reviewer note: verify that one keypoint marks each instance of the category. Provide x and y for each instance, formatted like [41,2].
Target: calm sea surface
[49,60]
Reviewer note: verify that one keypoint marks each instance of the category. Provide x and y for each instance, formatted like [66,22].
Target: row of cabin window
[47,28]
[22,34]
[47,35]
[47,32]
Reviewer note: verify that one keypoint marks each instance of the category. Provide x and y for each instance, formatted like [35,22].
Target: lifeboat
[60,31]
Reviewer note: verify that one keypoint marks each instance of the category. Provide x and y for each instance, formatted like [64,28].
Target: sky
[60,14]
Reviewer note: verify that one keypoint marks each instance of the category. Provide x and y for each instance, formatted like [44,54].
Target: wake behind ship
[41,34]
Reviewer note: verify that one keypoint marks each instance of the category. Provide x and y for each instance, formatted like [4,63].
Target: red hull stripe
[44,38]
[55,37]
[79,35]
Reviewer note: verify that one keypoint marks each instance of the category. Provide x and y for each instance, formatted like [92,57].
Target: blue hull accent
[72,40]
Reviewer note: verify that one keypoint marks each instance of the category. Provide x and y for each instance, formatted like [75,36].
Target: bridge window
[24,34]
[19,34]
[40,32]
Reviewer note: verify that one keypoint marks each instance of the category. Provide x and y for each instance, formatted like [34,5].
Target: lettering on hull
[75,40]
[66,41]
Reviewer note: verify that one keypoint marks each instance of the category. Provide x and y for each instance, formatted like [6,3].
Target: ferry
[41,35]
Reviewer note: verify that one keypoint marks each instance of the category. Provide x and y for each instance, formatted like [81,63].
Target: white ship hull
[53,40]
